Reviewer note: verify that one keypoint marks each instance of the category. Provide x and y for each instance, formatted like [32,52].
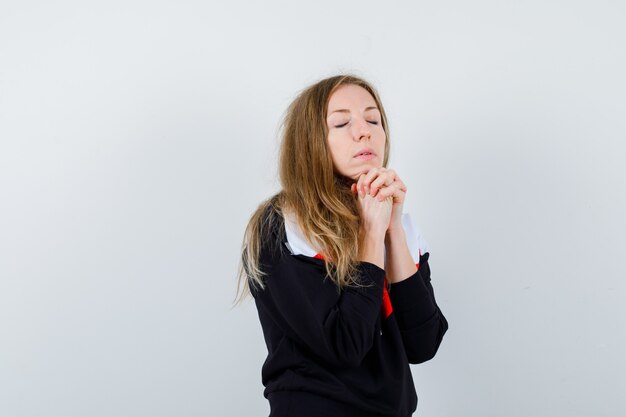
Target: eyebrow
[348,111]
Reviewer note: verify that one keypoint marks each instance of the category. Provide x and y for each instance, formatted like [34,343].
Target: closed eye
[374,123]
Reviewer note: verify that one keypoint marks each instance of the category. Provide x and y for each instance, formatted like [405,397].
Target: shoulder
[295,239]
[285,241]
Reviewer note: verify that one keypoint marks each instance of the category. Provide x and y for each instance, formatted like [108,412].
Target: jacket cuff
[411,301]
[372,273]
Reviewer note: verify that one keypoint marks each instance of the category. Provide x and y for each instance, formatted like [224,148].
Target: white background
[137,137]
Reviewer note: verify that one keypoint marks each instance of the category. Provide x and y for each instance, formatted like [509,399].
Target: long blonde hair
[318,196]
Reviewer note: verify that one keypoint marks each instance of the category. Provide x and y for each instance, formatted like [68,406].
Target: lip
[370,151]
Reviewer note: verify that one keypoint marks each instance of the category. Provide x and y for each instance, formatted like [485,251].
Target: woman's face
[355,133]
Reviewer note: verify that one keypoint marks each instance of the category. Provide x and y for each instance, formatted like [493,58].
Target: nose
[362,130]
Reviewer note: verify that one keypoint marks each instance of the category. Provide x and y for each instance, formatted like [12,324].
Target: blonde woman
[339,275]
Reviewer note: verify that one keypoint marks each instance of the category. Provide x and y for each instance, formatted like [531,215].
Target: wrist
[374,234]
[395,230]
[372,250]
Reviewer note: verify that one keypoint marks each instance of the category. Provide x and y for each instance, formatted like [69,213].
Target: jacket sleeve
[337,327]
[421,322]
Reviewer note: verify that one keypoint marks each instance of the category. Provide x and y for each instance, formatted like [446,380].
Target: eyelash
[374,123]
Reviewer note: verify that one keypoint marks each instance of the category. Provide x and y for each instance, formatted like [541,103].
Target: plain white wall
[136,137]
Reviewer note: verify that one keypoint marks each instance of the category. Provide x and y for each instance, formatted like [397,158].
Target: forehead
[348,96]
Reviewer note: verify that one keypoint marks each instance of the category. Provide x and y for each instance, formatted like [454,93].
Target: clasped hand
[381,197]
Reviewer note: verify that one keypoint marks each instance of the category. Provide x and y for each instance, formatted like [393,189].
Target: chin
[366,167]
[356,171]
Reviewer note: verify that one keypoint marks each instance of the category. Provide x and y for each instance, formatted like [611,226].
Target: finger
[395,191]
[371,175]
[359,186]
[385,193]
[385,179]
[378,183]
[401,184]
[353,188]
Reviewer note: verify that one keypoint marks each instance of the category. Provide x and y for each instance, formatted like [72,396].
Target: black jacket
[346,353]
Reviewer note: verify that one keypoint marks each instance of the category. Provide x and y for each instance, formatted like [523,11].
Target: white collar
[298,245]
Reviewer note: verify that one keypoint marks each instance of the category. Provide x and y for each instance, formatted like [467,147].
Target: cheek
[334,147]
[338,146]
[345,152]
[383,138]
